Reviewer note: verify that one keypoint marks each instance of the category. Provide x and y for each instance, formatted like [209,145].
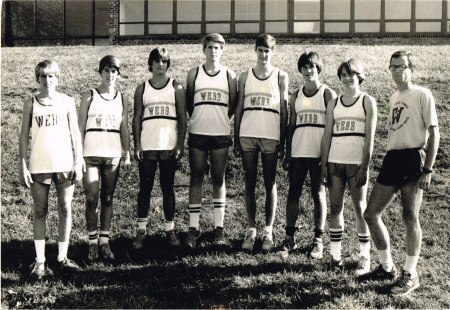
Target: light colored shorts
[95,161]
[47,178]
[266,146]
[344,171]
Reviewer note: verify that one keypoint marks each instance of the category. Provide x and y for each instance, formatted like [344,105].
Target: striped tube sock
[364,244]
[194,215]
[142,223]
[336,242]
[169,225]
[92,237]
[103,236]
[219,212]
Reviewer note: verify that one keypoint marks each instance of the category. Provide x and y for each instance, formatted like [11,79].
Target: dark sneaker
[39,271]
[172,239]
[335,264]
[93,252]
[105,252]
[193,235]
[219,236]
[380,274]
[139,239]
[405,284]
[68,265]
[287,246]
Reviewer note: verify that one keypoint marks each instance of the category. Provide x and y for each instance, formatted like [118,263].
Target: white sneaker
[267,244]
[317,251]
[363,267]
[249,241]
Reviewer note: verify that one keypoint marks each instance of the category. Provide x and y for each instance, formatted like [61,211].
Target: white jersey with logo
[102,138]
[159,117]
[211,97]
[261,117]
[51,142]
[309,124]
[349,132]
[411,113]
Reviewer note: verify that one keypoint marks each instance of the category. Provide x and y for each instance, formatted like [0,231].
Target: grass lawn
[210,277]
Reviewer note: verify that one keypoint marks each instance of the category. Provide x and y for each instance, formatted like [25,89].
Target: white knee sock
[62,250]
[194,215]
[39,246]
[219,212]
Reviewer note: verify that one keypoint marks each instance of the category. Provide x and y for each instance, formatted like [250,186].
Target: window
[160,11]
[337,27]
[398,27]
[398,9]
[102,18]
[367,27]
[306,10]
[276,10]
[246,27]
[276,27]
[368,9]
[431,9]
[428,27]
[132,11]
[218,10]
[307,27]
[247,10]
[337,9]
[220,28]
[189,10]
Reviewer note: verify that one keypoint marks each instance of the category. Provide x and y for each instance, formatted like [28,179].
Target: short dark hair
[310,59]
[109,61]
[265,40]
[213,37]
[352,66]
[408,55]
[159,53]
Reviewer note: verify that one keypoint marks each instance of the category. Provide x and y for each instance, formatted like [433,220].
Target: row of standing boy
[329,136]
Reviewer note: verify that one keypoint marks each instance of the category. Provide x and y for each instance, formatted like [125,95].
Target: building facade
[116,21]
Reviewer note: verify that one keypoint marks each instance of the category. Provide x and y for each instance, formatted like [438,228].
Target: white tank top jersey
[349,132]
[211,97]
[411,113]
[309,124]
[159,118]
[102,138]
[51,142]
[261,117]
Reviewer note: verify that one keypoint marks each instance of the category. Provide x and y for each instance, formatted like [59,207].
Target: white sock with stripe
[336,242]
[103,237]
[364,245]
[219,212]
[194,215]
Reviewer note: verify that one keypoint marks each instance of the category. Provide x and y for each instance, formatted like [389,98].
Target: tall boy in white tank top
[260,127]
[210,98]
[306,126]
[103,121]
[56,155]
[159,129]
[346,148]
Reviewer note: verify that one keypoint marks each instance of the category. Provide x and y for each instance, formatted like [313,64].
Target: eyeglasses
[399,67]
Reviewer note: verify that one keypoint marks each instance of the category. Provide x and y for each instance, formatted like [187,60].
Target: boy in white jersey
[159,129]
[210,98]
[260,127]
[103,122]
[346,150]
[413,141]
[306,125]
[56,155]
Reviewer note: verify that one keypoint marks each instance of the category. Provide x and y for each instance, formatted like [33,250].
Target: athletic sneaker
[139,239]
[363,267]
[249,242]
[192,237]
[334,264]
[172,239]
[105,252]
[219,237]
[381,274]
[39,271]
[93,252]
[405,284]
[267,242]
[288,244]
[68,265]
[317,250]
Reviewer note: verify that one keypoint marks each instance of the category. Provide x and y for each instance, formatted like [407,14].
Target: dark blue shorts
[207,143]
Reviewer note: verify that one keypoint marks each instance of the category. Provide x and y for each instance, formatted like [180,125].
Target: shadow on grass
[158,277]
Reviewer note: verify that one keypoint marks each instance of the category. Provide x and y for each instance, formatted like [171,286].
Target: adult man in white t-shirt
[413,140]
